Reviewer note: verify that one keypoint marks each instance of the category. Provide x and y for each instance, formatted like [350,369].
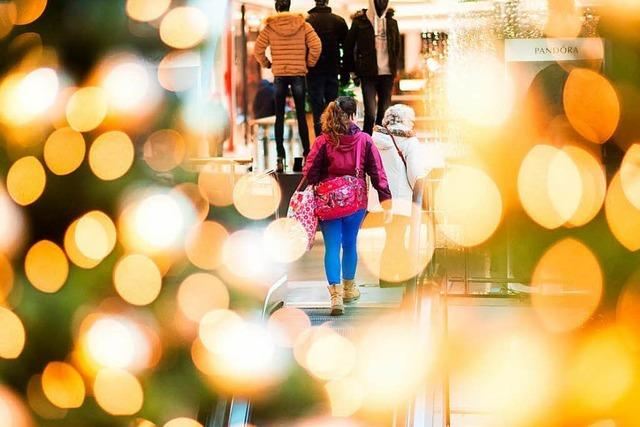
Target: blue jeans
[299,91]
[341,233]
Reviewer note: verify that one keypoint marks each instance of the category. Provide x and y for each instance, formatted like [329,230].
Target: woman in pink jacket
[333,155]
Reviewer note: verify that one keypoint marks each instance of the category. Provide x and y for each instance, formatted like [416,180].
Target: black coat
[332,30]
[360,46]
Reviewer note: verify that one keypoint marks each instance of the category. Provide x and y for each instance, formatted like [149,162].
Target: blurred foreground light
[13,412]
[216,326]
[628,310]
[192,193]
[630,175]
[469,200]
[345,396]
[622,216]
[12,334]
[137,279]
[253,262]
[8,18]
[183,422]
[285,240]
[201,293]
[147,10]
[330,356]
[164,150]
[26,180]
[216,185]
[72,250]
[6,278]
[287,324]
[40,403]
[29,10]
[257,196]
[179,71]
[11,224]
[567,283]
[591,105]
[46,266]
[64,151]
[63,385]
[128,87]
[204,245]
[95,235]
[87,108]
[111,155]
[484,97]
[593,183]
[184,27]
[24,98]
[118,392]
[601,373]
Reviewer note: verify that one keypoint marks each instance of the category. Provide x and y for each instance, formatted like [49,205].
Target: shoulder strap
[406,169]
[358,156]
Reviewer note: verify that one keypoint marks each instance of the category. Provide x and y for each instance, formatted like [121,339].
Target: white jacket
[415,155]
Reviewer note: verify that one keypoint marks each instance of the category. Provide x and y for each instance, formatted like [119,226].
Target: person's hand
[387,216]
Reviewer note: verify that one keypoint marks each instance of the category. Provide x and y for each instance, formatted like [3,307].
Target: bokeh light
[64,151]
[111,155]
[184,27]
[13,411]
[345,396]
[46,266]
[8,18]
[330,356]
[567,286]
[622,216]
[201,293]
[593,183]
[137,279]
[164,150]
[118,392]
[29,10]
[95,235]
[257,196]
[192,193]
[87,108]
[247,243]
[179,71]
[147,10]
[6,278]
[11,224]
[183,422]
[72,250]
[25,97]
[12,334]
[287,324]
[63,385]
[26,180]
[630,175]
[285,240]
[216,186]
[204,245]
[40,403]
[128,86]
[470,205]
[216,326]
[591,105]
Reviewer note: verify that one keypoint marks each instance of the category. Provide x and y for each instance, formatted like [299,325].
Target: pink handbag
[302,208]
[342,196]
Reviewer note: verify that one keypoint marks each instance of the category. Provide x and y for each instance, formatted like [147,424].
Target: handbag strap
[358,155]
[406,168]
[302,184]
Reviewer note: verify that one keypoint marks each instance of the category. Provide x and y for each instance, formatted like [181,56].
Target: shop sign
[547,50]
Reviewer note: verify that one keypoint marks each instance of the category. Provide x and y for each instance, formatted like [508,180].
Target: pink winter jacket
[328,161]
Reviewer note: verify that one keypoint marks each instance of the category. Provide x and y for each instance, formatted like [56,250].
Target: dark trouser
[323,89]
[380,86]
[298,88]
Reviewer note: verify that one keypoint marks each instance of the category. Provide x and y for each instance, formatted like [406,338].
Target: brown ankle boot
[337,303]
[351,291]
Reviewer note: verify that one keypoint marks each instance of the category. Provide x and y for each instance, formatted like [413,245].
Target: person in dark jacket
[264,103]
[323,78]
[372,52]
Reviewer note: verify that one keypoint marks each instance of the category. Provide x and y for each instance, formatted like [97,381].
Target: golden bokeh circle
[64,151]
[192,193]
[26,180]
[623,218]
[594,185]
[137,279]
[216,186]
[200,293]
[216,326]
[46,266]
[72,250]
[257,196]
[630,175]
[184,27]
[63,385]
[29,10]
[285,240]
[183,422]
[14,410]
[287,325]
[8,18]
[164,150]
[147,10]
[205,243]
[12,334]
[95,235]
[6,278]
[87,108]
[40,403]
[118,392]
[179,71]
[111,155]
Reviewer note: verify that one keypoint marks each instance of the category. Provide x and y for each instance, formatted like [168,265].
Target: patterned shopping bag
[302,207]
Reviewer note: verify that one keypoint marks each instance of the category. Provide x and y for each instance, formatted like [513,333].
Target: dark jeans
[298,88]
[373,87]
[323,89]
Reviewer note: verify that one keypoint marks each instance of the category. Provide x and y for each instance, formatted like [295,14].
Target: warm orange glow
[12,227]
[12,334]
[118,392]
[594,185]
[137,279]
[164,150]
[287,324]
[64,151]
[563,23]
[591,105]
[216,326]
[29,10]
[46,266]
[470,205]
[183,422]
[192,193]
[147,10]
[26,97]
[6,278]
[95,235]
[40,403]
[87,108]
[630,175]
[72,250]
[13,411]
[8,18]
[346,397]
[184,27]
[111,155]
[567,286]
[285,240]
[179,71]
[622,216]
[257,196]
[247,243]
[129,88]
[330,356]
[216,186]
[201,293]
[26,180]
[63,385]
[204,245]
[628,311]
